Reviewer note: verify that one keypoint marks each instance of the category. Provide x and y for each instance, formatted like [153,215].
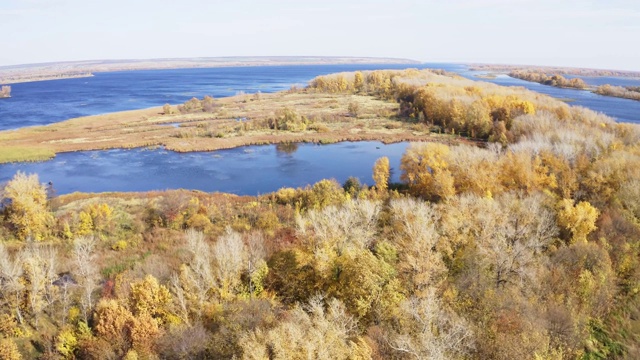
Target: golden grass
[10,154]
[216,130]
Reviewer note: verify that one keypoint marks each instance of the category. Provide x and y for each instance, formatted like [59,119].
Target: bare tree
[511,234]
[350,226]
[39,265]
[256,254]
[87,272]
[11,272]
[229,258]
[192,286]
[417,239]
[431,331]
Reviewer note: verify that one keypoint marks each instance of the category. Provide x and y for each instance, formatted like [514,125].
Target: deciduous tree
[381,172]
[28,212]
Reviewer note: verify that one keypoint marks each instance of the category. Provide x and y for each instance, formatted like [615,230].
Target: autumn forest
[514,233]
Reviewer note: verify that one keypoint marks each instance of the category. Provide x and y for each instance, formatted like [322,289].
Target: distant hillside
[73,69]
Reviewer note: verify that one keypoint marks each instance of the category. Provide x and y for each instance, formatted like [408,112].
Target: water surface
[247,170]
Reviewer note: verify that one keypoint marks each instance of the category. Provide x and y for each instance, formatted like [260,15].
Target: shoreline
[45,78]
[218,130]
[590,88]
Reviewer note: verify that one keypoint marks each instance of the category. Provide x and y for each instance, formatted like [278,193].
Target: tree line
[551,80]
[626,92]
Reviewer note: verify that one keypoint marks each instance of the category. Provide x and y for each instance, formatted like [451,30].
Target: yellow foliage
[9,350]
[8,326]
[358,81]
[119,245]
[85,225]
[28,211]
[148,296]
[381,171]
[580,219]
[199,222]
[111,319]
[268,221]
[144,330]
[131,355]
[425,168]
[74,314]
[66,343]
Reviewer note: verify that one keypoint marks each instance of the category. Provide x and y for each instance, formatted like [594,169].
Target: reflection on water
[248,170]
[287,148]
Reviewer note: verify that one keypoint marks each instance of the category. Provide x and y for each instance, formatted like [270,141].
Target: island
[551,76]
[501,68]
[5,91]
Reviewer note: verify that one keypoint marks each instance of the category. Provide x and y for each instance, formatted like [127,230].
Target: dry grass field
[234,121]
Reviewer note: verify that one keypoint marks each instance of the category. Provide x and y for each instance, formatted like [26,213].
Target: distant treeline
[553,80]
[628,92]
[5,91]
[556,70]
[41,76]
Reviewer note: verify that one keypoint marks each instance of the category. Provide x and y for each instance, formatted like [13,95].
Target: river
[247,170]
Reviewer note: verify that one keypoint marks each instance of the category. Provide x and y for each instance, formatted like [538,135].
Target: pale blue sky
[600,34]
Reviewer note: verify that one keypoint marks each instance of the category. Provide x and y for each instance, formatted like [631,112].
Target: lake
[248,170]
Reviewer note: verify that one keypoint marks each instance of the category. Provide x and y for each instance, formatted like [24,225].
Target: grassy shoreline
[326,116]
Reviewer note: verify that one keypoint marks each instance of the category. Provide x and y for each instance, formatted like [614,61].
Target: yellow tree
[579,219]
[148,296]
[358,82]
[28,212]
[425,167]
[9,350]
[381,172]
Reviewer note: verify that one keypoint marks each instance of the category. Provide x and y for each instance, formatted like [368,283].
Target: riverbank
[555,70]
[235,121]
[43,77]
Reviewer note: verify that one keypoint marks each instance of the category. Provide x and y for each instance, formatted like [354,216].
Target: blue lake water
[249,170]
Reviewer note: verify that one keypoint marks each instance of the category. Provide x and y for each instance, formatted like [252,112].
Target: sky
[581,33]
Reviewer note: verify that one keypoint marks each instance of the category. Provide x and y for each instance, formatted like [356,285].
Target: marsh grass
[235,121]
[10,154]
